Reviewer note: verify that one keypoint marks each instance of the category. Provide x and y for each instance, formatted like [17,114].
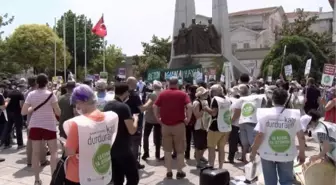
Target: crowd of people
[103,126]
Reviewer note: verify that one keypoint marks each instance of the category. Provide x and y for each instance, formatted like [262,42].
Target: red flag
[100,28]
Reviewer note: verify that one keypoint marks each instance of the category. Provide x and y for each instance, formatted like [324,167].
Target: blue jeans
[247,135]
[272,170]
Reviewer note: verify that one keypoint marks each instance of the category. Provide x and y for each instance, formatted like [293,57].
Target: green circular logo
[327,79]
[101,160]
[279,141]
[248,109]
[227,117]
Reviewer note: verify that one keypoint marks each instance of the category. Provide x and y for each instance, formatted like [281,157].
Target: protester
[68,110]
[173,111]
[82,143]
[3,113]
[43,106]
[152,124]
[275,140]
[220,126]
[15,101]
[29,150]
[190,127]
[124,164]
[312,96]
[102,96]
[330,107]
[234,134]
[200,132]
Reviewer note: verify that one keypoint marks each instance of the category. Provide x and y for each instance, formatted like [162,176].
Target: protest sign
[328,74]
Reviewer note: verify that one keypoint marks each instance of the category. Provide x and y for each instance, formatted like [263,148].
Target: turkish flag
[100,28]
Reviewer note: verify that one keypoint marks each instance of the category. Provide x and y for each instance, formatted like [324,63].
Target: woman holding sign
[89,142]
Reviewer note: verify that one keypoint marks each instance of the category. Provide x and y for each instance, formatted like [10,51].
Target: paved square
[14,170]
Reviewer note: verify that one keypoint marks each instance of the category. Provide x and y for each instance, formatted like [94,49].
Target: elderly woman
[42,105]
[89,140]
[220,126]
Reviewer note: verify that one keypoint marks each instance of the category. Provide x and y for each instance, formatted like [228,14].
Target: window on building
[234,47]
[246,45]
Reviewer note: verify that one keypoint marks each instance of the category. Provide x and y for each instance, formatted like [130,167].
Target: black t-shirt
[213,125]
[134,102]
[122,143]
[312,96]
[14,103]
[2,116]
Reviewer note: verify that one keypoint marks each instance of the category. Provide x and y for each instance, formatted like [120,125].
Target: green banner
[185,73]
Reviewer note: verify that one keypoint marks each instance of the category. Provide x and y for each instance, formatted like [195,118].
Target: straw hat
[201,91]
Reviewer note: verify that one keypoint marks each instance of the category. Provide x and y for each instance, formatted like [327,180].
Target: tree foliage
[113,59]
[156,55]
[32,46]
[302,43]
[4,21]
[94,44]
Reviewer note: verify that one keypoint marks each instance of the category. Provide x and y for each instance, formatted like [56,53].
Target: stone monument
[197,43]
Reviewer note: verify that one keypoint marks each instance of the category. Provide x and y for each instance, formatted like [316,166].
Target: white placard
[308,66]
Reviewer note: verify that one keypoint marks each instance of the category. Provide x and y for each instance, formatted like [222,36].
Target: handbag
[58,177]
[43,103]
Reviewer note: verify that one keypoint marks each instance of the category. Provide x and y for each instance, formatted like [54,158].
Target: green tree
[113,59]
[33,45]
[4,21]
[94,44]
[302,43]
[156,55]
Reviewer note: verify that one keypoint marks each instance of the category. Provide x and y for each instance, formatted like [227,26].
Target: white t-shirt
[279,133]
[44,117]
[304,120]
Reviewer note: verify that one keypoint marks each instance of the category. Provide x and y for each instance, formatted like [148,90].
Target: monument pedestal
[206,60]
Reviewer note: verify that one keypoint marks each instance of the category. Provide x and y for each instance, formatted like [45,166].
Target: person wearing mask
[173,111]
[15,101]
[151,123]
[124,163]
[82,144]
[68,110]
[323,133]
[29,151]
[220,126]
[312,96]
[200,128]
[43,106]
[102,96]
[276,130]
[135,104]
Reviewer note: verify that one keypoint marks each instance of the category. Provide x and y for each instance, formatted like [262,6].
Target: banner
[57,79]
[289,72]
[328,74]
[122,73]
[153,75]
[186,73]
[212,73]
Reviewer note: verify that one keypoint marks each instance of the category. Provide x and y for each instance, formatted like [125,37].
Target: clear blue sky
[131,21]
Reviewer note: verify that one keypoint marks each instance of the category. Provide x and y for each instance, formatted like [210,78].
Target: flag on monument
[100,28]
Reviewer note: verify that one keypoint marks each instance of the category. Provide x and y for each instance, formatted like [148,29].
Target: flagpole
[55,49]
[64,47]
[104,54]
[75,47]
[85,62]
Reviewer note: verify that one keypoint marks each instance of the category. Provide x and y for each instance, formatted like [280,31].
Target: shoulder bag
[43,103]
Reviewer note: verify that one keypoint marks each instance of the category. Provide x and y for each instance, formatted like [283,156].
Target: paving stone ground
[14,170]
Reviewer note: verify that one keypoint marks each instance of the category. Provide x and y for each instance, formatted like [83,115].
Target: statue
[214,39]
[197,39]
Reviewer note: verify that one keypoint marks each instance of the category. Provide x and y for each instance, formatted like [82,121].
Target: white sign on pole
[308,66]
[288,72]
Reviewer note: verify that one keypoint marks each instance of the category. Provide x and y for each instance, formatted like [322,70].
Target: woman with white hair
[89,141]
[220,126]
[151,123]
